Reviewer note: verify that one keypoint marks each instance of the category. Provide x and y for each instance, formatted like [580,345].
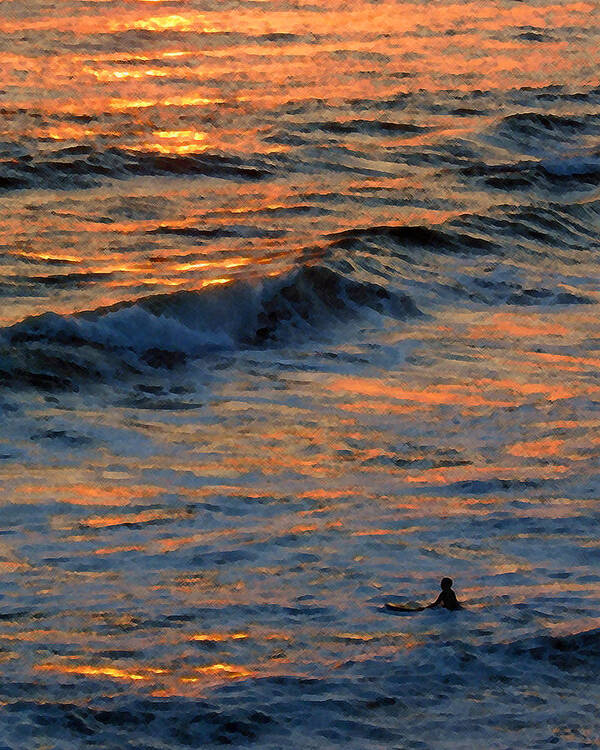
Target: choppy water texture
[299,313]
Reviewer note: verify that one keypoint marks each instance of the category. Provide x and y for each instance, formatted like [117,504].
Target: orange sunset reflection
[298,314]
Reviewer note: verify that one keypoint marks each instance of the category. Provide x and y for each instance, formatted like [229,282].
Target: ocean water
[298,309]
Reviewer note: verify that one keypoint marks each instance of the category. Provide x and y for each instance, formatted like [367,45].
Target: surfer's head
[446,583]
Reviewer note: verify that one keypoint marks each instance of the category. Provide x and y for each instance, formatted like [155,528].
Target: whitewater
[298,314]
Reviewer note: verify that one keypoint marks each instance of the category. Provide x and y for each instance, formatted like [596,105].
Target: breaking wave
[164,331]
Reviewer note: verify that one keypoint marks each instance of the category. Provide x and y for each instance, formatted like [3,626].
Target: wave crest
[85,167]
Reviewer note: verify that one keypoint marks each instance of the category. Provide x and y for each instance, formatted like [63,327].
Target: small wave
[538,123]
[546,225]
[587,169]
[568,651]
[438,239]
[180,722]
[499,251]
[550,175]
[535,35]
[367,127]
[543,134]
[62,280]
[85,167]
[201,233]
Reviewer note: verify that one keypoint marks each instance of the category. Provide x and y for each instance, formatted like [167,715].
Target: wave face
[539,132]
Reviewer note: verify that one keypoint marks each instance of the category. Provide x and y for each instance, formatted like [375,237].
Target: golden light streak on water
[229,670]
[219,637]
[92,671]
[536,448]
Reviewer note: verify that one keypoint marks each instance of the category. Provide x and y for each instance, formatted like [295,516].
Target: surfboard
[403,607]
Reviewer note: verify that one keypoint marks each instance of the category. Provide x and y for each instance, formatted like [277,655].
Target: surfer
[447,597]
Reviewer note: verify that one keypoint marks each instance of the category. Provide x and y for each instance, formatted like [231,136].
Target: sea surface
[298,314]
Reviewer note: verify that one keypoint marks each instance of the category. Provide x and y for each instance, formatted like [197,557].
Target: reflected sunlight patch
[114,673]
[228,671]
[178,142]
[536,448]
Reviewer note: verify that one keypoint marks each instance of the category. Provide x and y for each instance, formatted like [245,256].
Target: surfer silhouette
[447,597]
